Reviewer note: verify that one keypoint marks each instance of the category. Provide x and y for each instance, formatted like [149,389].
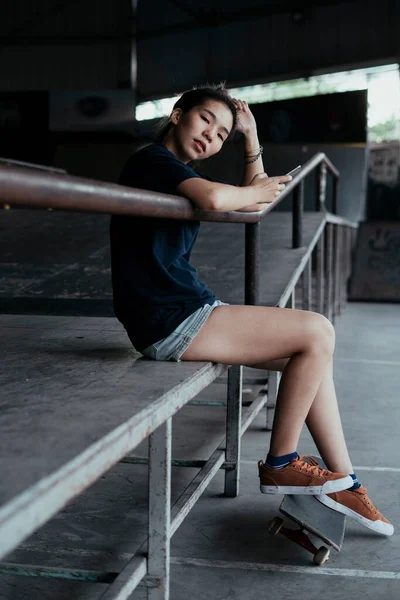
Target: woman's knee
[321,334]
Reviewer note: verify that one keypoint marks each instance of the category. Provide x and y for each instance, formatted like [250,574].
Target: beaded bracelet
[253,157]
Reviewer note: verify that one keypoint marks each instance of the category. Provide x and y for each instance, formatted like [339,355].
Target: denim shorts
[173,346]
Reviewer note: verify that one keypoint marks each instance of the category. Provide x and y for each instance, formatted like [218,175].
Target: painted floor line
[368,361]
[221,564]
[387,469]
[265,567]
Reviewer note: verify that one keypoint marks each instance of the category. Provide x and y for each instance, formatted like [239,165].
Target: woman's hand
[270,187]
[246,122]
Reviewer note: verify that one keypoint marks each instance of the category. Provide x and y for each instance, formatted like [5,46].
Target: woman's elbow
[209,200]
[214,202]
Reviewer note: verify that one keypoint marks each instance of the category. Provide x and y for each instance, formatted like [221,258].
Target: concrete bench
[75,400]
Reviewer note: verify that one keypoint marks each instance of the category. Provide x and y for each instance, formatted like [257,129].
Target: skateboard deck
[314,517]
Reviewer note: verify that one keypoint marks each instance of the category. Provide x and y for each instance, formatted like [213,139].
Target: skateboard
[313,517]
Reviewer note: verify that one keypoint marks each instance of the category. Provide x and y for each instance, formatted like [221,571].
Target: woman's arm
[246,124]
[253,162]
[221,197]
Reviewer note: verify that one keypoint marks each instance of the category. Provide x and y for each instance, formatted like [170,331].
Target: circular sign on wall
[92,106]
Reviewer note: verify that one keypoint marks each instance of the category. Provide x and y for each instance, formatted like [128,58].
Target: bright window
[382,83]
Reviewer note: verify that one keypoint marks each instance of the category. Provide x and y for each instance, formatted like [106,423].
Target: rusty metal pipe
[40,189]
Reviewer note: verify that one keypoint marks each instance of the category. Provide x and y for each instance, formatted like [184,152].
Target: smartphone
[294,172]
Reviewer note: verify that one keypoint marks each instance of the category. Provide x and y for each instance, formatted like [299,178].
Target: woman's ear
[175,116]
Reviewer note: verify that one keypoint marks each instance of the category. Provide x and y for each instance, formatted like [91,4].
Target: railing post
[159,523]
[329,272]
[307,286]
[252,264]
[335,199]
[235,375]
[321,187]
[320,274]
[252,297]
[233,430]
[336,279]
[347,250]
[274,378]
[342,263]
[297,215]
[349,247]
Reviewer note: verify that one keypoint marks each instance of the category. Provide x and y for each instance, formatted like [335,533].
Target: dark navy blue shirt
[155,287]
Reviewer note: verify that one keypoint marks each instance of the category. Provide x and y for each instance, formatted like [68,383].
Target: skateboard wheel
[321,556]
[275,525]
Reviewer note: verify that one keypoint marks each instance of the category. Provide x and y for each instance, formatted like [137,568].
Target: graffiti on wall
[376,266]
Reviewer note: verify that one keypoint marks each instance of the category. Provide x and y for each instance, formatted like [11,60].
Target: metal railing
[23,185]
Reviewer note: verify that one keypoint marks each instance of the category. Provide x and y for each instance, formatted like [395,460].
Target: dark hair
[196,97]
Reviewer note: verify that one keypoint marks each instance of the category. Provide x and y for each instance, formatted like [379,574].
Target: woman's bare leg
[325,426]
[254,336]
[323,420]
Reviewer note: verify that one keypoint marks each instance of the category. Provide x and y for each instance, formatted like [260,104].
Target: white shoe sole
[334,485]
[378,526]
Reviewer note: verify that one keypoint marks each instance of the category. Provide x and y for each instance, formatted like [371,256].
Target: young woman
[169,314]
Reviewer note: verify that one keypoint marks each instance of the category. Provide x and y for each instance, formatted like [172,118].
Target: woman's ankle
[278,462]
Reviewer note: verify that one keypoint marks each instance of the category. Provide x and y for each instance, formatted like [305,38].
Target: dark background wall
[259,40]
[56,56]
[52,44]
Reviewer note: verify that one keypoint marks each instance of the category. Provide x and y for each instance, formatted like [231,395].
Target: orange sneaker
[356,504]
[301,477]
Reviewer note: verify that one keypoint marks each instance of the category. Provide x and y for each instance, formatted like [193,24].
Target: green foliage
[387,130]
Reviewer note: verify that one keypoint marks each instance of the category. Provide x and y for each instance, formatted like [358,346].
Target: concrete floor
[223,551]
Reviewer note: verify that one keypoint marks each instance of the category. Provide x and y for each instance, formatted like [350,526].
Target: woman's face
[201,132]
